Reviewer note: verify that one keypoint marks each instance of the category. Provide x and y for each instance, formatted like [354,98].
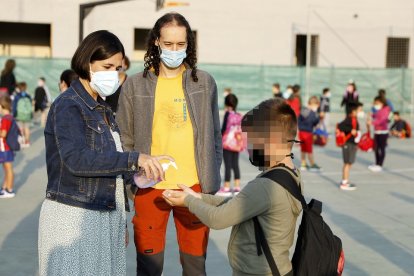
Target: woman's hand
[152,166]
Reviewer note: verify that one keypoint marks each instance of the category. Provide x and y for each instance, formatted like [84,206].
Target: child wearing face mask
[271,129]
[307,121]
[379,120]
[325,107]
[350,127]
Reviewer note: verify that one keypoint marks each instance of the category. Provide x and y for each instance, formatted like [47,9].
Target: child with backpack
[6,153]
[400,128]
[271,130]
[23,111]
[350,128]
[307,121]
[232,145]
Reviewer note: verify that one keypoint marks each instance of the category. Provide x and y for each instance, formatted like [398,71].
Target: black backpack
[318,251]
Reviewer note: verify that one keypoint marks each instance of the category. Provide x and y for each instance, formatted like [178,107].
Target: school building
[353,33]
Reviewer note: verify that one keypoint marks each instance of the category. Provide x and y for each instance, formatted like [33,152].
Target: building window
[25,39]
[140,41]
[397,52]
[301,50]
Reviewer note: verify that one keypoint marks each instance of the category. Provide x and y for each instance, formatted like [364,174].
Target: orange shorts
[150,225]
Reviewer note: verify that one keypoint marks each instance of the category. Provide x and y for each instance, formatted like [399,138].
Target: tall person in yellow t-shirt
[171,108]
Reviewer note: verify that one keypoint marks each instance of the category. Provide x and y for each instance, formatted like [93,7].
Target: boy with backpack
[23,111]
[350,128]
[400,128]
[307,121]
[8,139]
[271,130]
[233,144]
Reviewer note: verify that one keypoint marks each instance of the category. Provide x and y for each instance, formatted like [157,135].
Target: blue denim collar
[86,97]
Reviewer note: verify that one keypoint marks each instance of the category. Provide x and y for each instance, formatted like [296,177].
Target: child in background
[271,129]
[307,121]
[349,126]
[400,128]
[6,155]
[231,121]
[294,100]
[325,108]
[23,112]
[380,123]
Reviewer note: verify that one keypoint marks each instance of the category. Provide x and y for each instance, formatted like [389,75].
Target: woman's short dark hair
[68,76]
[271,115]
[99,45]
[231,100]
[152,57]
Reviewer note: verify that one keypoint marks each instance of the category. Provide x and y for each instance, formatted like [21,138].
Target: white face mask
[287,93]
[172,59]
[377,107]
[105,83]
[328,95]
[314,108]
[361,115]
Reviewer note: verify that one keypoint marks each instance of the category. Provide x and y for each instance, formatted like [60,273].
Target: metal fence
[252,83]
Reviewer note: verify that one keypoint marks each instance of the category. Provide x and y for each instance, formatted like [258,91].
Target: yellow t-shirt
[172,133]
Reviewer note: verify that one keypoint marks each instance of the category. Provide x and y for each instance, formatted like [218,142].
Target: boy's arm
[214,200]
[253,200]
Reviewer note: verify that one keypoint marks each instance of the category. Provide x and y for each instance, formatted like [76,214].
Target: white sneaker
[375,168]
[224,192]
[347,187]
[6,194]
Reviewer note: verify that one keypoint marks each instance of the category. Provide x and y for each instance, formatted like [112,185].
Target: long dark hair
[8,67]
[152,57]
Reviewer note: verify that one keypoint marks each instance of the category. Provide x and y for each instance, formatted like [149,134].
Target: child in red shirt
[6,155]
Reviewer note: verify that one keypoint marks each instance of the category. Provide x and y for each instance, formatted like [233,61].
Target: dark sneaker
[315,168]
[347,187]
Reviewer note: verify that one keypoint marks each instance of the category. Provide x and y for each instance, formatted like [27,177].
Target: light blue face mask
[173,59]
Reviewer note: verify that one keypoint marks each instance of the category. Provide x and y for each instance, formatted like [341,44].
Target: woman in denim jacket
[82,221]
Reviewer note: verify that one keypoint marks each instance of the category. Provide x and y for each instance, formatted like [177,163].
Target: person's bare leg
[8,176]
[311,160]
[226,184]
[303,158]
[345,172]
[27,134]
[237,183]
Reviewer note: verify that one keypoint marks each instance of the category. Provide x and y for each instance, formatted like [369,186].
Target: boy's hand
[175,198]
[354,132]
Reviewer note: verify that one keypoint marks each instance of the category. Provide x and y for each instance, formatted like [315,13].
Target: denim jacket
[81,156]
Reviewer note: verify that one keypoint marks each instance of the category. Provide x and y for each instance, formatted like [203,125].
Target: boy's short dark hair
[5,102]
[271,115]
[325,90]
[397,113]
[68,76]
[231,100]
[277,85]
[296,88]
[99,45]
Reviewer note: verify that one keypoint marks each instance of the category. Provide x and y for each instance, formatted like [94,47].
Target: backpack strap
[261,242]
[286,180]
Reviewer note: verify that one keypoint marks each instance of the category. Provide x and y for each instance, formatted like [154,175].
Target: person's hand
[175,198]
[152,166]
[354,132]
[126,237]
[322,115]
